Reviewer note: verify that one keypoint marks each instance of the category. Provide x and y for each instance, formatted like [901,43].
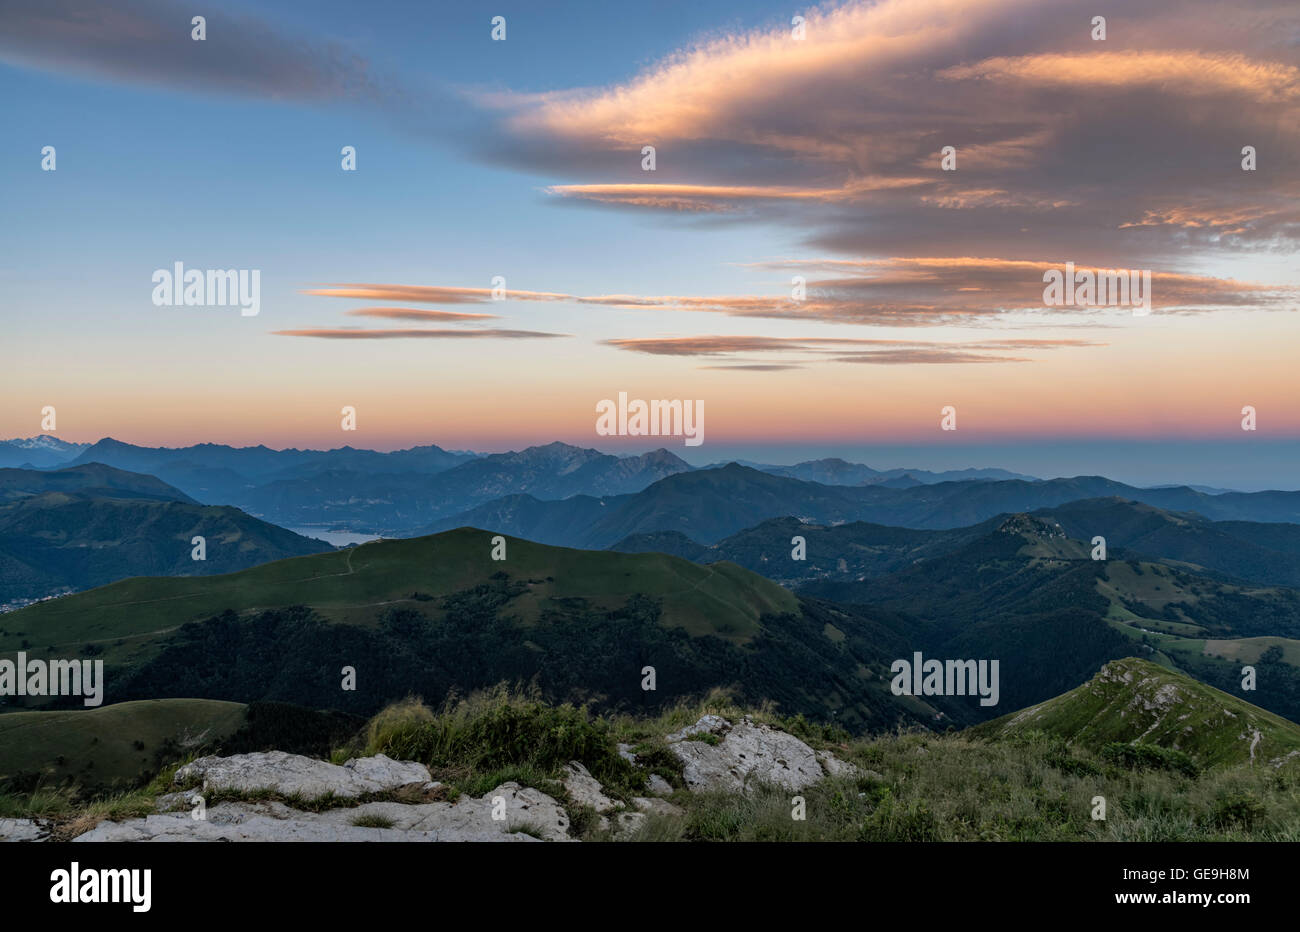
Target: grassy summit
[1133,700]
[352,586]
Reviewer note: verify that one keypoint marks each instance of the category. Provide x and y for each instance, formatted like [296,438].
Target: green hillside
[1033,597]
[437,614]
[353,586]
[1132,700]
[119,747]
[77,540]
[115,745]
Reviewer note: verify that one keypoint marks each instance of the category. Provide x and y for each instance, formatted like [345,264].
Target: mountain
[853,551]
[531,518]
[434,614]
[41,452]
[1132,700]
[1234,551]
[413,503]
[84,526]
[1244,550]
[218,474]
[120,746]
[835,471]
[708,505]
[1030,596]
[676,544]
[832,471]
[93,480]
[553,471]
[395,494]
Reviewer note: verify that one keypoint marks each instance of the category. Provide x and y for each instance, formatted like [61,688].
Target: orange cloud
[1184,73]
[410,313]
[833,349]
[430,334]
[718,197]
[429,295]
[838,132]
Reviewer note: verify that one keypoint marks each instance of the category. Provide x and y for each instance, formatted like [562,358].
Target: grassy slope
[58,745]
[1135,700]
[350,586]
[909,787]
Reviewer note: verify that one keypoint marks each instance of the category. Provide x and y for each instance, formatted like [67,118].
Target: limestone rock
[627,824]
[584,789]
[467,819]
[834,767]
[23,830]
[656,806]
[657,786]
[295,775]
[709,724]
[745,752]
[170,802]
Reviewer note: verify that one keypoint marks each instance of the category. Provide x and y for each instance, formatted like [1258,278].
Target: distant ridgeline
[438,614]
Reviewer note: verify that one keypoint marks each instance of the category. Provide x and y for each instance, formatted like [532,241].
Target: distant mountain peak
[1027,525]
[42,442]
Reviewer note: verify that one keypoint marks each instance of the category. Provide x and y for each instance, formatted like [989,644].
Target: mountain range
[1242,551]
[708,505]
[83,526]
[437,614]
[1000,568]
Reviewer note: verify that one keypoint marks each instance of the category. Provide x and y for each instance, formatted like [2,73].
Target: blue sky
[776,158]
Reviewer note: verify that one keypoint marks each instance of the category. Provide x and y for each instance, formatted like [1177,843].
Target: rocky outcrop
[717,755]
[584,789]
[24,830]
[529,815]
[303,777]
[614,816]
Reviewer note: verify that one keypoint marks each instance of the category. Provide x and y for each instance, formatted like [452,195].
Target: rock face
[23,830]
[465,820]
[527,814]
[717,755]
[295,775]
[584,789]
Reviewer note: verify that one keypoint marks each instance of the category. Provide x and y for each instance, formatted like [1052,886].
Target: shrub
[499,731]
[394,719]
[372,820]
[1139,756]
[1236,809]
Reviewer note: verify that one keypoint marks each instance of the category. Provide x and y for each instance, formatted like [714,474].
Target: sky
[782,149]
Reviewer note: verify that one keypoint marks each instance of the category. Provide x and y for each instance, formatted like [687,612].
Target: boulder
[584,789]
[304,777]
[24,830]
[743,753]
